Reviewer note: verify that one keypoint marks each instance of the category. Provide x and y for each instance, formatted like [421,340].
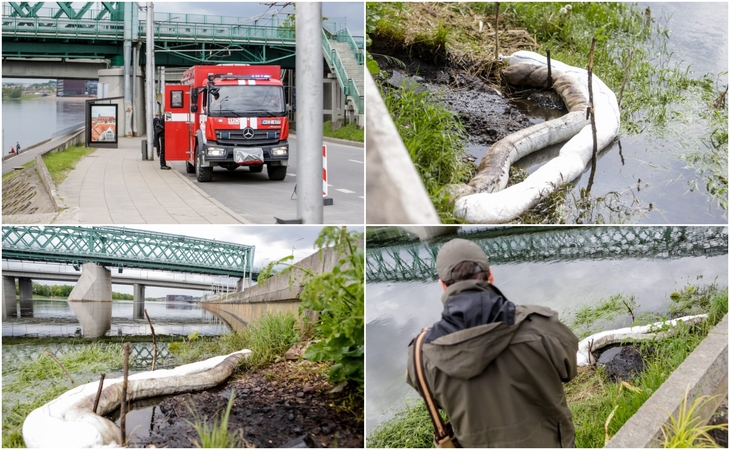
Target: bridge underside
[167,53]
[35,68]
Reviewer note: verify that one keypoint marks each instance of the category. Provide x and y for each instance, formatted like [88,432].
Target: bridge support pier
[242,284]
[95,284]
[10,308]
[139,301]
[26,297]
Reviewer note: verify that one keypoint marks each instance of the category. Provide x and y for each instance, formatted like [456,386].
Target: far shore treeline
[62,291]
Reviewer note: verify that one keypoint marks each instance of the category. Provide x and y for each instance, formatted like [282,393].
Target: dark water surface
[559,267]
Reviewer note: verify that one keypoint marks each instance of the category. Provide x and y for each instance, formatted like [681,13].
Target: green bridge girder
[123,247]
[416,261]
[37,31]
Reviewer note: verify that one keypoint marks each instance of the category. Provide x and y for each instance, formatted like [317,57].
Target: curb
[336,141]
[205,195]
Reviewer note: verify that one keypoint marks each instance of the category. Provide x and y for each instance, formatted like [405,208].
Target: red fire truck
[229,116]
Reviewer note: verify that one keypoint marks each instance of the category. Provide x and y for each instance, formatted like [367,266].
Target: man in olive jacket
[496,368]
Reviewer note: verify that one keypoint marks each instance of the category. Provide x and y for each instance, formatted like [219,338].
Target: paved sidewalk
[115,186]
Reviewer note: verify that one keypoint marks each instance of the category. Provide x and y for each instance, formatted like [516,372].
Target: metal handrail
[345,36]
[348,85]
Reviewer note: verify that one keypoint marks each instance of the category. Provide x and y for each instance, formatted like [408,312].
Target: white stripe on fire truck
[249,122]
[247,82]
[176,117]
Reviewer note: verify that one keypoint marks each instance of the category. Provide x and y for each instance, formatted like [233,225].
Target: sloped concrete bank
[704,372]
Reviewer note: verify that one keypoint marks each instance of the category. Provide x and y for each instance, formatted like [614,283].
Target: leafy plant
[214,434]
[338,299]
[687,429]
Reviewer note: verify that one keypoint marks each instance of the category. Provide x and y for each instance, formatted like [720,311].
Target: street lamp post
[292,246]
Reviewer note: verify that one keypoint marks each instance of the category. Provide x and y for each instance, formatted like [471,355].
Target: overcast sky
[272,242]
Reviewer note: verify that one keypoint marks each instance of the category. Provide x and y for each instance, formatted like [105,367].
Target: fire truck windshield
[246,100]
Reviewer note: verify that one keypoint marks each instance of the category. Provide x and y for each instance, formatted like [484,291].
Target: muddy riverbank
[286,404]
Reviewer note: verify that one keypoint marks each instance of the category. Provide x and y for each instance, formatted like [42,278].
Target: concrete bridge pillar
[95,284]
[114,78]
[139,301]
[242,284]
[26,297]
[10,308]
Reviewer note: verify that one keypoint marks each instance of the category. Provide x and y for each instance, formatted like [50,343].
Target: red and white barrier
[324,171]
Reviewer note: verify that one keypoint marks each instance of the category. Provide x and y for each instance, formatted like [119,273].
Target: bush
[338,298]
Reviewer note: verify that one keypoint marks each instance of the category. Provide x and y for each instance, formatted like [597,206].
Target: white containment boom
[485,199]
[69,420]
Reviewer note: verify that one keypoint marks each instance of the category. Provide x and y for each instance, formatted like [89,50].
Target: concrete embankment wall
[287,286]
[704,372]
[237,315]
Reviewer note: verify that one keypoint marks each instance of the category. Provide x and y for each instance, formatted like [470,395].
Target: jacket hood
[466,353]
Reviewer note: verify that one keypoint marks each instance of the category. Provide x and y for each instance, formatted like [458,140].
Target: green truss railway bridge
[96,251]
[65,40]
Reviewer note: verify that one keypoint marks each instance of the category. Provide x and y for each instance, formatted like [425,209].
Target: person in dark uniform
[159,142]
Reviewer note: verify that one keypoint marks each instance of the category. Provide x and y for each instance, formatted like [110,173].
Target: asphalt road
[259,200]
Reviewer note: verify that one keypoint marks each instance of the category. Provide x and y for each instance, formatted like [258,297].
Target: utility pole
[309,87]
[150,78]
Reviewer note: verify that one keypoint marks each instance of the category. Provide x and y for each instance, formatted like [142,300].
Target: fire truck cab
[228,116]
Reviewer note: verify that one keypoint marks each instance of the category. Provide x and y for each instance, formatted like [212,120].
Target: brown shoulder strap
[438,422]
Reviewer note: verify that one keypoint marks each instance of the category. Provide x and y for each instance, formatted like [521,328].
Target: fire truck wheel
[189,168]
[232,167]
[276,173]
[256,168]
[203,174]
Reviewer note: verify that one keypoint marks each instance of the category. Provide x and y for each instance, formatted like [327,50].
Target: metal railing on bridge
[348,85]
[417,261]
[122,247]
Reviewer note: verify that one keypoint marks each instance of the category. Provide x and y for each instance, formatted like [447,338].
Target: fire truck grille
[236,137]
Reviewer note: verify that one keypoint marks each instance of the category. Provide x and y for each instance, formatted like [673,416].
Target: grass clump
[348,132]
[409,428]
[59,164]
[214,434]
[687,429]
[268,338]
[436,143]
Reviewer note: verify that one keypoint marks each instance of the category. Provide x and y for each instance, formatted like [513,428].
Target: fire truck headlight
[279,151]
[213,151]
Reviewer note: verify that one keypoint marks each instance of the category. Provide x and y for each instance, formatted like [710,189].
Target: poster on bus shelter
[104,123]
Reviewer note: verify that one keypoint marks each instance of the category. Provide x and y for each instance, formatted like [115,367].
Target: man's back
[500,380]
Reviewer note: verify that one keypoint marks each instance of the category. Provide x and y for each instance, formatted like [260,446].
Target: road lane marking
[345,191]
[355,161]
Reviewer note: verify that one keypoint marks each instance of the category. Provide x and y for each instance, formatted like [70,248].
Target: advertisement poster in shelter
[104,123]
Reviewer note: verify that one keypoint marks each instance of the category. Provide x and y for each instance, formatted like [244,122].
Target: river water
[563,268]
[59,318]
[31,121]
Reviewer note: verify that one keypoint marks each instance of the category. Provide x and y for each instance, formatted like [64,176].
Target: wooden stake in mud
[550,74]
[154,341]
[496,31]
[123,406]
[626,77]
[98,392]
[592,114]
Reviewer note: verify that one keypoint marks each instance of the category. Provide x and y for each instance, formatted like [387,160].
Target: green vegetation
[348,132]
[63,291]
[338,297]
[59,164]
[14,92]
[38,381]
[436,142]
[687,430]
[216,435]
[584,319]
[268,338]
[592,396]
